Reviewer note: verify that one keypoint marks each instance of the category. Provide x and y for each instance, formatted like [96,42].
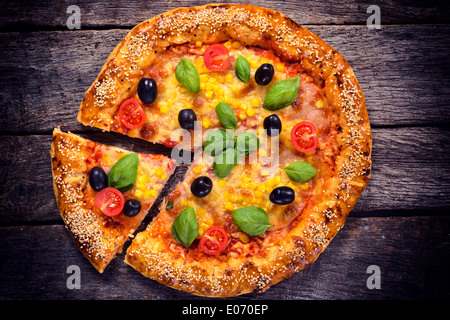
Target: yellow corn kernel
[170,102]
[252,186]
[245,179]
[264,60]
[138,193]
[234,88]
[319,104]
[280,67]
[184,203]
[235,103]
[222,183]
[141,186]
[262,187]
[203,77]
[244,106]
[164,176]
[153,193]
[201,212]
[209,94]
[255,102]
[206,123]
[146,194]
[159,172]
[197,169]
[276,180]
[227,98]
[229,77]
[259,193]
[250,112]
[291,185]
[304,186]
[236,44]
[198,43]
[227,45]
[242,115]
[254,64]
[244,237]
[143,179]
[229,205]
[107,161]
[164,109]
[221,79]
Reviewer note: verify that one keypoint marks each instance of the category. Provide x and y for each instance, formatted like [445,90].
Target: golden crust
[252,26]
[98,237]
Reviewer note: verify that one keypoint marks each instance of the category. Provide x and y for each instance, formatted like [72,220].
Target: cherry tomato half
[214,241]
[110,201]
[216,58]
[304,137]
[131,114]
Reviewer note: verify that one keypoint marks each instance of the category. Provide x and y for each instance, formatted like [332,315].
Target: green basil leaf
[226,115]
[282,94]
[185,227]
[217,141]
[242,68]
[246,142]
[187,75]
[169,205]
[123,174]
[300,171]
[251,220]
[225,162]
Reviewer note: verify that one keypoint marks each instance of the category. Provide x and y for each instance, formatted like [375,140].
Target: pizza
[103,192]
[279,133]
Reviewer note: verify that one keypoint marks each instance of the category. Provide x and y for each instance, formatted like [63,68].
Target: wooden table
[400,224]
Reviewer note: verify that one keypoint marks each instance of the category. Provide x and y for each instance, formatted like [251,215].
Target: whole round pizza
[278,130]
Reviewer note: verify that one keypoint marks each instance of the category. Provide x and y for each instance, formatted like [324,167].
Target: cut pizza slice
[104,192]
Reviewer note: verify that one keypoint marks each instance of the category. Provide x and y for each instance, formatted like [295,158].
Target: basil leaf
[185,227]
[246,142]
[282,94]
[226,115]
[251,220]
[300,171]
[169,205]
[217,141]
[225,162]
[122,175]
[187,75]
[242,68]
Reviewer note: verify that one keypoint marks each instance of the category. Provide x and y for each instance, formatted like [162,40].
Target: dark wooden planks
[411,252]
[24,15]
[411,171]
[400,69]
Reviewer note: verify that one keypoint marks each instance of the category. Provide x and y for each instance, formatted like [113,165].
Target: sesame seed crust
[293,248]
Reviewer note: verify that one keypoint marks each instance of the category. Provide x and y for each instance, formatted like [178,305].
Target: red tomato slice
[131,114]
[303,136]
[110,201]
[216,58]
[214,241]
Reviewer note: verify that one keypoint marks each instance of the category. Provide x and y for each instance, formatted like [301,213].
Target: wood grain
[125,13]
[396,245]
[399,68]
[408,173]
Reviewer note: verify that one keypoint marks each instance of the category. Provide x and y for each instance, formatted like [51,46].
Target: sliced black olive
[131,208]
[201,187]
[147,90]
[98,179]
[264,74]
[282,195]
[187,118]
[271,124]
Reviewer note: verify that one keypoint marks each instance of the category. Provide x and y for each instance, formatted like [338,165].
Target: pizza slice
[104,192]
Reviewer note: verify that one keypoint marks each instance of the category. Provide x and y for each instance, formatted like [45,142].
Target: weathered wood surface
[400,223]
[409,173]
[410,253]
[125,13]
[399,68]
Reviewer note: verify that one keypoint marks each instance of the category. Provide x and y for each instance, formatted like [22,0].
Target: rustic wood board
[400,223]
[36,265]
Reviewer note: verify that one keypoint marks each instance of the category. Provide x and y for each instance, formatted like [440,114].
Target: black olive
[131,208]
[98,179]
[201,187]
[272,123]
[282,195]
[264,74]
[186,119]
[147,90]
